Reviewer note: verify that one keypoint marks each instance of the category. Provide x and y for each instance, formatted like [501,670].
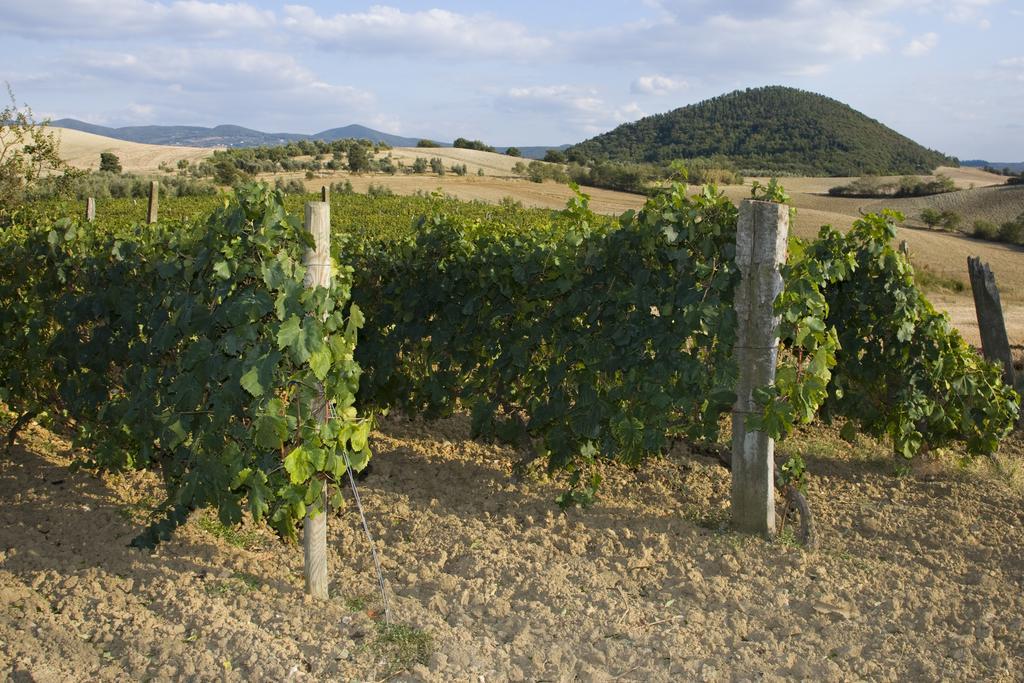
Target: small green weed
[929,281]
[401,646]
[787,537]
[246,539]
[239,583]
[355,603]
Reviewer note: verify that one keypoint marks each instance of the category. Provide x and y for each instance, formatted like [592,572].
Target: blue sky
[948,73]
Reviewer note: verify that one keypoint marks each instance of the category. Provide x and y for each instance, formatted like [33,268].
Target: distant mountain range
[238,136]
[1014,166]
[767,129]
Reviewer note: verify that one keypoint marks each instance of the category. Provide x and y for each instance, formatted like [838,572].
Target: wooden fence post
[318,274]
[154,202]
[90,209]
[325,194]
[995,344]
[760,250]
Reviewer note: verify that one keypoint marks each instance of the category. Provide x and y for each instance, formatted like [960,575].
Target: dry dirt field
[546,195]
[490,162]
[916,577]
[82,150]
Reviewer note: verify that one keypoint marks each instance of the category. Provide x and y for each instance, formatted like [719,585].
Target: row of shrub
[1011,232]
[637,178]
[109,185]
[873,187]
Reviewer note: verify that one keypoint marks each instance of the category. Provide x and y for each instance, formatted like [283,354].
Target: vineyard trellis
[196,347]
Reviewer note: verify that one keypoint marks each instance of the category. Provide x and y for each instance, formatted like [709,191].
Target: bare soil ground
[917,577]
[82,150]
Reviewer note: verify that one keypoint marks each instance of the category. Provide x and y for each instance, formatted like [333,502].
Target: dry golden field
[82,150]
[491,163]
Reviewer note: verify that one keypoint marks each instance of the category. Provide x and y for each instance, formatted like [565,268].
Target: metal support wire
[366,527]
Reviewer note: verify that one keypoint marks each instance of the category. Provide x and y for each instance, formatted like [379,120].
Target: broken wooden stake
[995,345]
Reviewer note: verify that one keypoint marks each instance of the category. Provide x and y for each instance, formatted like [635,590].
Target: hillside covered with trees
[764,130]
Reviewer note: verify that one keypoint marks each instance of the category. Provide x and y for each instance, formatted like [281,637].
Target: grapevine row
[193,347]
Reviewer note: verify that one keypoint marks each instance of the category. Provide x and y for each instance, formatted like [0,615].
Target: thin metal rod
[369,538]
[366,529]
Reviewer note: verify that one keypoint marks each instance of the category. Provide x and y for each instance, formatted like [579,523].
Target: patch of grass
[1003,468]
[246,539]
[355,603]
[401,646]
[716,520]
[787,537]
[239,583]
[930,281]
[825,443]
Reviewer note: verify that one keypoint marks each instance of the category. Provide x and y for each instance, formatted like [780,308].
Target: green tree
[427,143]
[28,151]
[436,165]
[985,230]
[109,162]
[931,217]
[513,152]
[951,220]
[1012,231]
[225,172]
[419,165]
[554,156]
[358,159]
[946,219]
[463,143]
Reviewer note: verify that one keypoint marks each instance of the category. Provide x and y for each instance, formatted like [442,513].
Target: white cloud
[384,30]
[921,45]
[656,85]
[732,39]
[577,108]
[808,70]
[781,38]
[126,19]
[141,111]
[207,69]
[1011,68]
[630,111]
[552,97]
[210,85]
[961,11]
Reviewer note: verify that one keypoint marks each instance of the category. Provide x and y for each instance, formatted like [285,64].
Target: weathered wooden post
[90,209]
[760,250]
[904,249]
[995,344]
[318,274]
[325,194]
[154,201]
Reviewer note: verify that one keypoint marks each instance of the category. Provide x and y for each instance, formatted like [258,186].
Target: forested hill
[767,129]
